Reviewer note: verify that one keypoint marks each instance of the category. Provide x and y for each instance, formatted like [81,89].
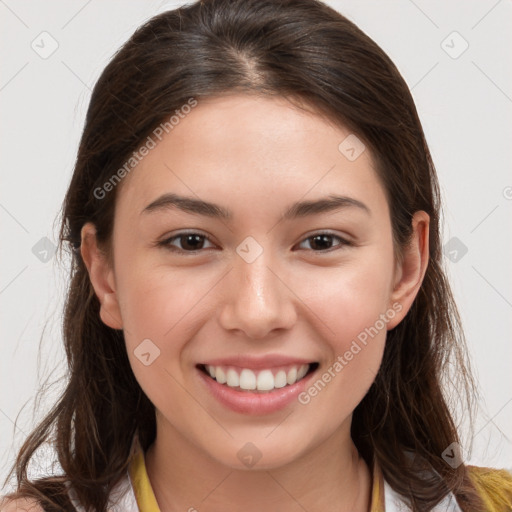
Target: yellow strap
[141,485]
[377,498]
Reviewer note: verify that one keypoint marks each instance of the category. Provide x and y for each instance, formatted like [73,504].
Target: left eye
[192,242]
[321,240]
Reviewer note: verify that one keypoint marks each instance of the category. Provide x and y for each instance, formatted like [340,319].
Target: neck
[331,477]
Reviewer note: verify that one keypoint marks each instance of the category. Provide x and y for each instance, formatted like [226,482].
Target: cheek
[157,302]
[347,300]
[351,306]
[354,313]
[159,307]
[161,312]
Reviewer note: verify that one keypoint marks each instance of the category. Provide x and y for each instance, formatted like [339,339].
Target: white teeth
[280,379]
[247,379]
[264,380]
[302,371]
[292,376]
[233,380]
[220,376]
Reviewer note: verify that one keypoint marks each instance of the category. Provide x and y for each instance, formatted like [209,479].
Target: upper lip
[252,362]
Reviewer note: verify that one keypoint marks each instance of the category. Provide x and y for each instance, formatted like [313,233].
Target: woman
[257,314]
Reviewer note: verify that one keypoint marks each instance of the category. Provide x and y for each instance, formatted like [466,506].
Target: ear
[102,277]
[409,273]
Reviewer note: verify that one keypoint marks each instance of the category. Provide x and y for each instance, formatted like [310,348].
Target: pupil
[324,241]
[189,238]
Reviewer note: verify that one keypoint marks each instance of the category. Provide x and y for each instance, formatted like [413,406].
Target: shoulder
[494,487]
[20,505]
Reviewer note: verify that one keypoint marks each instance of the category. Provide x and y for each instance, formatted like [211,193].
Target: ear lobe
[411,271]
[101,276]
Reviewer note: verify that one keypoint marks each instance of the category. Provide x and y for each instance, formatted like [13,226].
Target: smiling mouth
[258,381]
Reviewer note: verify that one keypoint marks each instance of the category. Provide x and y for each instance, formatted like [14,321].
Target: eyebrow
[296,210]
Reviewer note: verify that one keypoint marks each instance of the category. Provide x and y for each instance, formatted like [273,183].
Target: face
[265,289]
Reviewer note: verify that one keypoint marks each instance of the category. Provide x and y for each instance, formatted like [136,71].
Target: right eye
[191,242]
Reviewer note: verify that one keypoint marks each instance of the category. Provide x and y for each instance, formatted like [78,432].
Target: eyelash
[167,242]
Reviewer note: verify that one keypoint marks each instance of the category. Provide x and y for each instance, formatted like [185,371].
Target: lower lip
[246,402]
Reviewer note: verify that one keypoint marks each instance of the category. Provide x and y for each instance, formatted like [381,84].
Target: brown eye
[323,242]
[188,242]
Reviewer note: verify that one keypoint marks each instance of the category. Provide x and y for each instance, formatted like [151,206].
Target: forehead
[250,146]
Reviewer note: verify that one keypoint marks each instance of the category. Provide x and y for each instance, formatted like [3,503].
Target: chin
[260,454]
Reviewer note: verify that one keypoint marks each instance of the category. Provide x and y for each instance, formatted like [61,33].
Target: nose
[257,299]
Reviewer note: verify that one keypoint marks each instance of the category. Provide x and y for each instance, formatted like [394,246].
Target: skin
[255,156]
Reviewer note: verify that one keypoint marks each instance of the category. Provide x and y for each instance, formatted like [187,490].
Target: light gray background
[465,104]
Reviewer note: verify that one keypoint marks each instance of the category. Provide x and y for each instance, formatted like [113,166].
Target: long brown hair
[308,52]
